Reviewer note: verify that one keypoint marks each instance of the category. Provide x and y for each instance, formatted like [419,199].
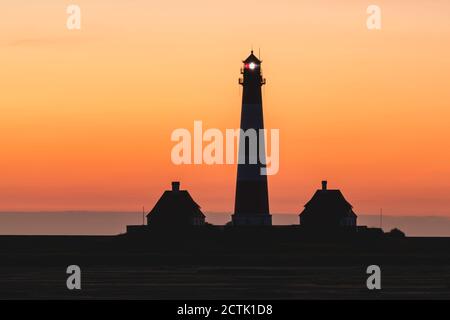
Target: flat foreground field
[118,268]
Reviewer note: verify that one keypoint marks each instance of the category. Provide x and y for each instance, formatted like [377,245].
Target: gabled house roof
[328,204]
[328,201]
[175,207]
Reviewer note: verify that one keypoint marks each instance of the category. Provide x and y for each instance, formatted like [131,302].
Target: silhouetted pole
[381,218]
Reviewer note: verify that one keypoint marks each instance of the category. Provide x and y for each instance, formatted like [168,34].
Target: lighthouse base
[251,219]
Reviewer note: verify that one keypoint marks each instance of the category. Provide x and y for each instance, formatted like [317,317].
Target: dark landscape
[218,264]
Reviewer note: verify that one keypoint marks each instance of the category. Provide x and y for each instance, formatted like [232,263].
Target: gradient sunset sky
[86,116]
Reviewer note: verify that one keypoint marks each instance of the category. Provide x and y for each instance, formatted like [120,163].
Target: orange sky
[86,116]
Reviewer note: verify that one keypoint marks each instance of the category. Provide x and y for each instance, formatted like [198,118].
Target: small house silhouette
[175,208]
[328,209]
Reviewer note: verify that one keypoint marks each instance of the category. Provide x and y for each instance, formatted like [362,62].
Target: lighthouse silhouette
[252,200]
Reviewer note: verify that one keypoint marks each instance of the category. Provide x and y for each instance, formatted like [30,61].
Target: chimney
[176,186]
[324,184]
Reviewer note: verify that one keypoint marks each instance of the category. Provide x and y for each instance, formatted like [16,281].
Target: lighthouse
[252,200]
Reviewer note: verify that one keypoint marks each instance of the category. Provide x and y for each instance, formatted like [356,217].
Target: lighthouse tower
[252,200]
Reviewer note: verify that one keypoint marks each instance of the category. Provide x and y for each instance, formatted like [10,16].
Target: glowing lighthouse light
[251,66]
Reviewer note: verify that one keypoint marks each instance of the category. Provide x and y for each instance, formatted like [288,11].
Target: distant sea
[111,223]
